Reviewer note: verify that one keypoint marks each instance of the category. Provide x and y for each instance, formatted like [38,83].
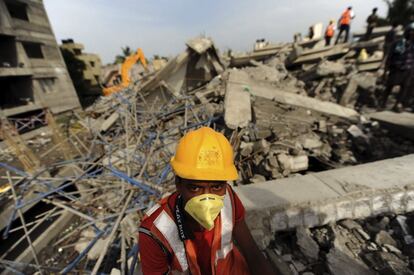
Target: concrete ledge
[401,123]
[317,199]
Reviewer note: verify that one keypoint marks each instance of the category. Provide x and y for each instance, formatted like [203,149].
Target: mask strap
[179,218]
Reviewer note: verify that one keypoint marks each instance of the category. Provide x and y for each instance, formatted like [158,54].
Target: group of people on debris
[398,62]
[344,24]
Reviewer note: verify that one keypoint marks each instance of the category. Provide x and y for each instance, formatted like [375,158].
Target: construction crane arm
[125,68]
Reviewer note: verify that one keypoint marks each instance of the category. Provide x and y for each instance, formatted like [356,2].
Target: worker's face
[189,189]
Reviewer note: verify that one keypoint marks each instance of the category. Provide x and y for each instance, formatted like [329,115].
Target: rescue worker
[311,33]
[372,22]
[330,32]
[200,228]
[345,24]
[400,68]
[390,39]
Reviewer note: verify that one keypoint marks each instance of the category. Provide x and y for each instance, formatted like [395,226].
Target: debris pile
[286,112]
[379,245]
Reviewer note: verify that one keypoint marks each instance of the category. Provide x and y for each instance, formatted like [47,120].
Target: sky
[163,26]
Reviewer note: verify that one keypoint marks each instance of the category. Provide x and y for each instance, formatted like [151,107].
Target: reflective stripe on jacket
[225,257]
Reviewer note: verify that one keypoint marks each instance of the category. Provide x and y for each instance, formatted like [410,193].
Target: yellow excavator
[125,78]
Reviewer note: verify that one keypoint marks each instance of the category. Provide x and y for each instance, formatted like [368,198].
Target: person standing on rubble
[372,22]
[344,23]
[330,32]
[200,228]
[390,39]
[400,68]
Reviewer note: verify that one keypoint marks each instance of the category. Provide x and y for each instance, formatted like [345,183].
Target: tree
[400,11]
[126,51]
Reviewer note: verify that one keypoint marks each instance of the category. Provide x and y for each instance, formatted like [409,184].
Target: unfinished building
[93,65]
[33,74]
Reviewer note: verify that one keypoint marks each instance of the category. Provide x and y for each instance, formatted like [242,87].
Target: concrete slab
[402,123]
[237,106]
[319,198]
[315,55]
[385,174]
[239,80]
[284,192]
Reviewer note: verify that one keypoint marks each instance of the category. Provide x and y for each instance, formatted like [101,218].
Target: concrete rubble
[290,111]
[376,245]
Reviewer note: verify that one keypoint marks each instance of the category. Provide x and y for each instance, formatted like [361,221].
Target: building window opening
[17,10]
[47,85]
[8,52]
[16,91]
[33,50]
[92,63]
[77,51]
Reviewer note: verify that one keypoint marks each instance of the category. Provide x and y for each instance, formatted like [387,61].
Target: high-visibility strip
[154,208]
[226,228]
[165,224]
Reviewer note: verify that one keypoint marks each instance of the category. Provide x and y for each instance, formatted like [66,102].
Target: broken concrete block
[246,149]
[261,146]
[279,265]
[264,73]
[299,266]
[306,243]
[330,68]
[393,249]
[350,224]
[355,131]
[387,263]
[272,160]
[200,44]
[366,81]
[363,234]
[262,133]
[257,178]
[311,142]
[109,122]
[324,69]
[383,238]
[340,263]
[86,236]
[293,163]
[237,107]
[115,271]
[261,238]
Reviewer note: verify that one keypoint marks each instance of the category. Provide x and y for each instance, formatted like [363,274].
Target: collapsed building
[93,65]
[33,75]
[326,180]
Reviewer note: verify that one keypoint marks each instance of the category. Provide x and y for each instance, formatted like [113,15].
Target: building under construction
[33,74]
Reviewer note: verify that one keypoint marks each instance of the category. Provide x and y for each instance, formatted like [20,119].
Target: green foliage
[126,51]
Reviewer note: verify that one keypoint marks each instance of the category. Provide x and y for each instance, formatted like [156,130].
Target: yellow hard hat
[204,154]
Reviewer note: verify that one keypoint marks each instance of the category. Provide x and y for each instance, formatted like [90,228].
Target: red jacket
[163,224]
